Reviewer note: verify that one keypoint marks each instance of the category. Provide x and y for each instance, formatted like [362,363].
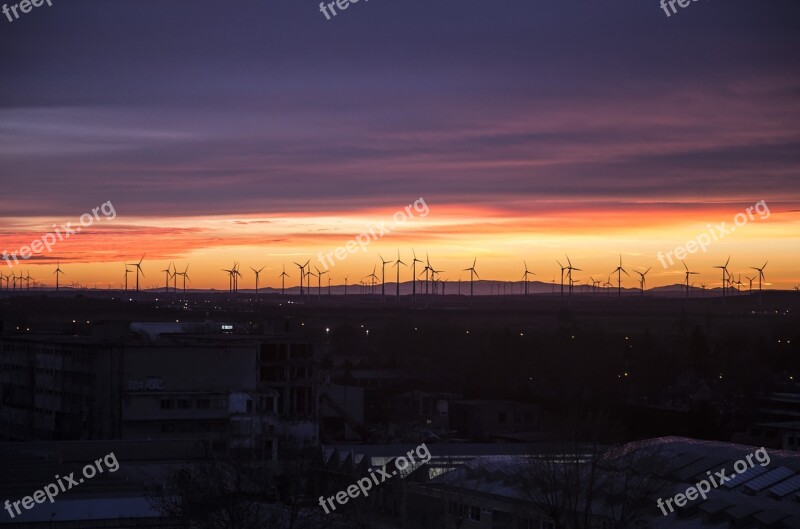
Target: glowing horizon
[452,235]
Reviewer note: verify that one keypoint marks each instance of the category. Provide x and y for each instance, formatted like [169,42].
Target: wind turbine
[230,278]
[59,271]
[374,278]
[236,276]
[257,272]
[185,275]
[309,275]
[427,269]
[724,269]
[688,273]
[472,272]
[383,277]
[397,265]
[642,279]
[168,274]
[414,277]
[319,282]
[283,277]
[174,278]
[619,270]
[302,268]
[345,285]
[750,279]
[525,275]
[570,269]
[139,270]
[760,275]
[562,276]
[434,272]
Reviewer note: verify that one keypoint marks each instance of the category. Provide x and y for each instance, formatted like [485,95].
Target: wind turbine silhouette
[750,279]
[302,268]
[570,269]
[619,270]
[283,277]
[319,282]
[257,272]
[230,278]
[427,269]
[139,270]
[309,275]
[57,272]
[525,275]
[688,273]
[414,277]
[374,278]
[383,277]
[167,276]
[725,274]
[472,272]
[174,278]
[236,276]
[642,279]
[562,276]
[434,272]
[760,275]
[397,265]
[185,275]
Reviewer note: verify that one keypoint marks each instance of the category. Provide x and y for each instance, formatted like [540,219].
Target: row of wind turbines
[432,278]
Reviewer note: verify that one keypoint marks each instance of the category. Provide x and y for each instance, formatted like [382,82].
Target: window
[475,514]
[203,404]
[184,404]
[167,404]
[220,404]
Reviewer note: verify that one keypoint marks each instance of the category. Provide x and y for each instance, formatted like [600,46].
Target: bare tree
[219,495]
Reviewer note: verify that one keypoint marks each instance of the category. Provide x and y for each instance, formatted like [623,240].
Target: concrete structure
[160,381]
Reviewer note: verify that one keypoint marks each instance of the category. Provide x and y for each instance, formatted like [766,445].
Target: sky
[261,132]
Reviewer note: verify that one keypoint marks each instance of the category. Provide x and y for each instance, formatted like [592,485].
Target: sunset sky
[259,131]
